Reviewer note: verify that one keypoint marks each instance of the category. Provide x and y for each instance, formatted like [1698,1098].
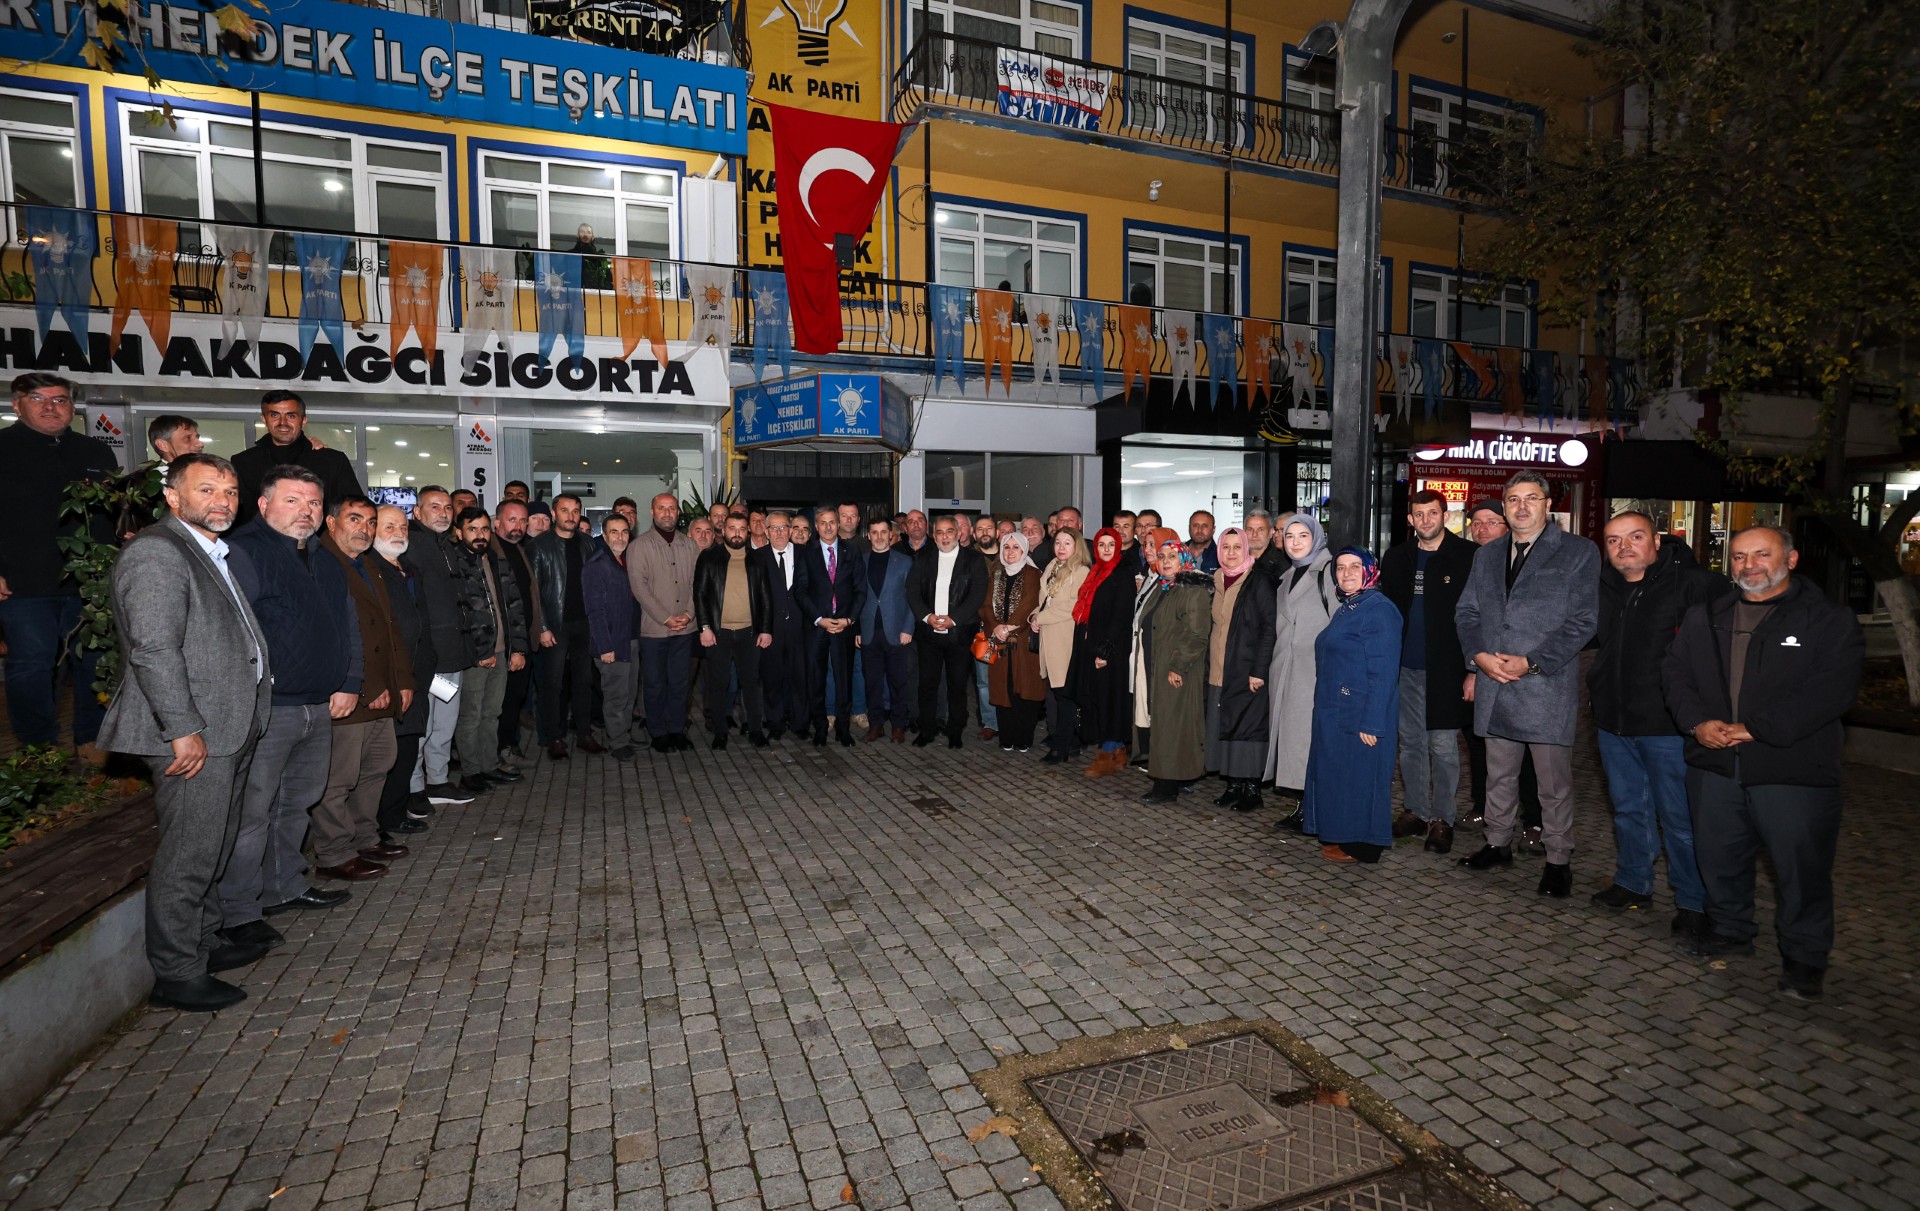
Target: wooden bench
[50,885]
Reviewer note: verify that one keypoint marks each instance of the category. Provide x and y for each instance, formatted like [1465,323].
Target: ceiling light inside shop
[1150,466]
[333,185]
[373,428]
[426,454]
[398,442]
[1193,472]
[1131,482]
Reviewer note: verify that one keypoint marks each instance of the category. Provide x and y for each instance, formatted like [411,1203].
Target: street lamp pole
[1362,85]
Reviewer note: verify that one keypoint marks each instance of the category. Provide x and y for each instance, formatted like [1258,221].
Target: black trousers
[394,795]
[1798,828]
[1529,781]
[784,681]
[514,701]
[836,652]
[886,662]
[1063,723]
[565,683]
[733,650]
[951,654]
[1018,721]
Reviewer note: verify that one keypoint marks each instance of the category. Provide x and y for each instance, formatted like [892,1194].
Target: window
[1008,485]
[1312,124]
[1455,145]
[1182,271]
[408,456]
[991,248]
[39,161]
[1049,27]
[1504,319]
[201,167]
[1187,103]
[555,205]
[1310,284]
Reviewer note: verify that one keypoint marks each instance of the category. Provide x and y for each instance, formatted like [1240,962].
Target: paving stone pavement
[752,979]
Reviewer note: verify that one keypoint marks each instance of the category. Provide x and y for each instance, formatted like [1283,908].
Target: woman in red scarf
[1100,679]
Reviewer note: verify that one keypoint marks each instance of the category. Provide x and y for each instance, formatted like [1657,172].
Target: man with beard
[510,546]
[732,607]
[402,810]
[439,583]
[496,625]
[195,693]
[564,670]
[917,531]
[660,572]
[285,444]
[1759,681]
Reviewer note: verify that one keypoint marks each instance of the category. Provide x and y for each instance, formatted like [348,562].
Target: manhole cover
[1229,1125]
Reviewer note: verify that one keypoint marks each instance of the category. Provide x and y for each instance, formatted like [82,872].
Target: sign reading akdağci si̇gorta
[321,50]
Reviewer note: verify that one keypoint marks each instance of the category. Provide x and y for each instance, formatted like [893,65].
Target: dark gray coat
[195,659]
[1548,618]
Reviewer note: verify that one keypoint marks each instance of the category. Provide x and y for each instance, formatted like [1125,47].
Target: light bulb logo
[815,19]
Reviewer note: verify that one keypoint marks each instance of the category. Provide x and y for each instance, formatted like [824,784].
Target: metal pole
[1362,83]
[1228,302]
[926,166]
[1457,131]
[259,168]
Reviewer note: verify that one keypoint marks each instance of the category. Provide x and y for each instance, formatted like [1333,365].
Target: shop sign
[1455,490]
[199,354]
[108,423]
[859,407]
[1507,449]
[355,55]
[650,27]
[477,453]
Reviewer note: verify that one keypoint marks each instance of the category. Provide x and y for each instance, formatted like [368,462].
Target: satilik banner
[1055,92]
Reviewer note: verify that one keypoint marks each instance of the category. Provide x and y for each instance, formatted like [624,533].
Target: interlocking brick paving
[761,979]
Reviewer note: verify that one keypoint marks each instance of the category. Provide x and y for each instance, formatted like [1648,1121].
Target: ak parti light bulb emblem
[815,19]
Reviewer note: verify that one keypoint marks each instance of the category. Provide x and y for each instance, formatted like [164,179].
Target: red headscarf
[1102,568]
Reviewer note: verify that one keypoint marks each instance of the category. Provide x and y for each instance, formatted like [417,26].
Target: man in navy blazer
[886,632]
[783,666]
[835,596]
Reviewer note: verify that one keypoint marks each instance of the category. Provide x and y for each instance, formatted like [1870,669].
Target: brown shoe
[874,733]
[1406,824]
[1102,765]
[987,733]
[587,744]
[386,851]
[354,870]
[1333,853]
[899,735]
[557,751]
[1439,838]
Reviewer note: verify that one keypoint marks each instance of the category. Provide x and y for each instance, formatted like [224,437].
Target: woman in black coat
[1099,678]
[1243,613]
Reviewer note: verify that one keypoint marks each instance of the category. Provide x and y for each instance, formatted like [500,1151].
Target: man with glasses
[1530,605]
[40,455]
[1487,521]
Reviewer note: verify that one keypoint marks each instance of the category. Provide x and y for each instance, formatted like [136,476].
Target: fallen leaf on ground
[847,1195]
[1179,1044]
[1330,1097]
[999,1124]
[1718,965]
[278,1193]
[1429,1140]
[341,1037]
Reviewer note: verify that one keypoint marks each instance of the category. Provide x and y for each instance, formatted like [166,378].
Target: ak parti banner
[996,336]
[1136,348]
[143,252]
[829,173]
[414,276]
[641,318]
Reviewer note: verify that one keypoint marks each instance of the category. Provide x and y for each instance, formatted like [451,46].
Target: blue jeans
[989,717]
[36,647]
[1429,757]
[1647,779]
[666,669]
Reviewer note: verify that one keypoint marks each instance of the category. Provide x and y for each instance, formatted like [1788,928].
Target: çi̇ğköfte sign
[365,56]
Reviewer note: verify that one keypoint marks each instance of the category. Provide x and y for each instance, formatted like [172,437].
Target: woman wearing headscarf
[1053,622]
[1356,707]
[1146,599]
[1177,669]
[1098,681]
[1239,657]
[1013,681]
[1304,600]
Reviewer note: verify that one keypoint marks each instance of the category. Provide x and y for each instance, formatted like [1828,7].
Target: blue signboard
[327,51]
[833,407]
[850,405]
[778,412]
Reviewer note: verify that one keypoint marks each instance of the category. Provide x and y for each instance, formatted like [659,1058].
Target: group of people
[305,670]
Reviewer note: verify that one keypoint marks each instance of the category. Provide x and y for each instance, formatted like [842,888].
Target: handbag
[984,649]
[1033,640]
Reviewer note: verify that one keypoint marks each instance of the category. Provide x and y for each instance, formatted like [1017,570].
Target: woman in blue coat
[1356,704]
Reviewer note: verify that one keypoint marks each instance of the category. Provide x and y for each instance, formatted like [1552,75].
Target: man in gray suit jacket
[194,696]
[1530,605]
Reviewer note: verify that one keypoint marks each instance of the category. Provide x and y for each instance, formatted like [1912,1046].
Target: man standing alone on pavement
[1424,577]
[1528,610]
[1646,588]
[1759,681]
[195,719]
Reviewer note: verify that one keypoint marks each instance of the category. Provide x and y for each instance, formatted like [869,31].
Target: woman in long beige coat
[1053,622]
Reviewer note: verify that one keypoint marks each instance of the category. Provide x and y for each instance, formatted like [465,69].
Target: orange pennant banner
[414,274]
[1262,348]
[641,316]
[143,276]
[1136,347]
[1481,365]
[996,336]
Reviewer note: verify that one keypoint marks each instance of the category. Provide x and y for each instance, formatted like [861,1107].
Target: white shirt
[216,549]
[783,559]
[943,580]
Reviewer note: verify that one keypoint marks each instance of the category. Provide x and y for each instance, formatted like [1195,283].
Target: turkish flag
[829,173]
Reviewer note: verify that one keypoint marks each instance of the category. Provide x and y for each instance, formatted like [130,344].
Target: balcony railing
[1105,102]
[887,324]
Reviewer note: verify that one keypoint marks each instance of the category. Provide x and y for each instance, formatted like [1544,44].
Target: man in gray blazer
[194,696]
[1530,605]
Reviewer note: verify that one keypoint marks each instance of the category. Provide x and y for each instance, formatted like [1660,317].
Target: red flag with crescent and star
[828,173]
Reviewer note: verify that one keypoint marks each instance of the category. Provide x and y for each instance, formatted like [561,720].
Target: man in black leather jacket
[733,607]
[563,664]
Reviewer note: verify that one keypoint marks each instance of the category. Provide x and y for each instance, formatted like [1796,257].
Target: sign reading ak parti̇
[651,27]
[322,50]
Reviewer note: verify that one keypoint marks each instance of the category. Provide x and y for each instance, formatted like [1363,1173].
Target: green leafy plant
[16,287]
[693,506]
[104,509]
[41,790]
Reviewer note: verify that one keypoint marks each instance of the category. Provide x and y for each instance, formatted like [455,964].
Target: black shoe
[503,773]
[254,933]
[757,739]
[953,742]
[1294,822]
[203,995]
[475,786]
[662,744]
[819,737]
[1711,945]
[1557,880]
[1618,898]
[447,792]
[845,739]
[236,954]
[312,898]
[925,738]
[1250,799]
[1054,758]
[1801,981]
[1230,796]
[1163,790]
[406,826]
[719,741]
[680,742]
[623,753]
[1406,824]
[1690,923]
[495,778]
[1439,838]
[1488,857]
[419,807]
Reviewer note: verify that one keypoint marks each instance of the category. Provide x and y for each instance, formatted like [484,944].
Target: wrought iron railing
[959,73]
[887,323]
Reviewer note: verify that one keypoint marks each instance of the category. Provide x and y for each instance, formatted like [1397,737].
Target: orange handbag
[985,649]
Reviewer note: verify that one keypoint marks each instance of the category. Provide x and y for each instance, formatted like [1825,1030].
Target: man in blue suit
[886,630]
[835,598]
[783,666]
